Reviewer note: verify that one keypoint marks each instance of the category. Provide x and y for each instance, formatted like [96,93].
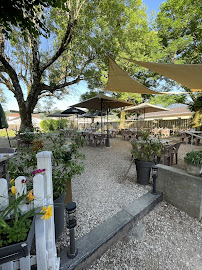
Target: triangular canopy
[189,75]
[120,81]
[102,103]
[145,108]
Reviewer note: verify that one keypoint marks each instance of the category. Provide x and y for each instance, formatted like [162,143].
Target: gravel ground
[165,239]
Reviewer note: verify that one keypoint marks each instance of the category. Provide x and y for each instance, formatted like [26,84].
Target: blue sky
[80,88]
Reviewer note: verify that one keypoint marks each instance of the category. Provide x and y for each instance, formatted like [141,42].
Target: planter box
[181,189]
[194,170]
[18,250]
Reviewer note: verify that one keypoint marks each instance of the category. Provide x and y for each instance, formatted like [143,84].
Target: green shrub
[52,125]
[193,158]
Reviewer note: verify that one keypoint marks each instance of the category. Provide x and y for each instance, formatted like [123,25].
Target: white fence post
[4,200]
[21,188]
[40,225]
[44,162]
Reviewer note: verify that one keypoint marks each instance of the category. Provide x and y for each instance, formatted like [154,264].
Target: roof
[173,112]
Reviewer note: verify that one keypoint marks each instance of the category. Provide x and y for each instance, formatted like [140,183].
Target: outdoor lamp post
[71,223]
[107,144]
[154,177]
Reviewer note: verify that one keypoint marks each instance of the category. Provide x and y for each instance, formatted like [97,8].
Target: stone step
[92,245]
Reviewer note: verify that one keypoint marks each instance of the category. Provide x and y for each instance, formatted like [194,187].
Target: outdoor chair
[167,159]
[165,133]
[175,151]
[155,132]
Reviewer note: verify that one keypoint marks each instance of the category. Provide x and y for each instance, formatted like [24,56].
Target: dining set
[191,136]
[97,138]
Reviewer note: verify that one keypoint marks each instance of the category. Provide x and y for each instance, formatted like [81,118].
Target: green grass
[11,133]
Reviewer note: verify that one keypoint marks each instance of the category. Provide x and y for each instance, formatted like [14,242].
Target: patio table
[4,157]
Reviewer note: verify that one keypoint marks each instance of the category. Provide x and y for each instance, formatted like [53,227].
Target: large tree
[75,50]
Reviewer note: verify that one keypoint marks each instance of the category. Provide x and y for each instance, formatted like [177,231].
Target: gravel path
[165,239]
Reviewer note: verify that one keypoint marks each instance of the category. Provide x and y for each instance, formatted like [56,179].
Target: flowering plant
[66,160]
[15,228]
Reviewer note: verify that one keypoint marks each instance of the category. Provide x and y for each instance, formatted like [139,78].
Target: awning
[120,81]
[188,75]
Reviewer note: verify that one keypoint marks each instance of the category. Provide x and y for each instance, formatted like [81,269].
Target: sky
[80,88]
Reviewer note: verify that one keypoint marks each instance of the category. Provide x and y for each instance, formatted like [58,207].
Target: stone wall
[181,189]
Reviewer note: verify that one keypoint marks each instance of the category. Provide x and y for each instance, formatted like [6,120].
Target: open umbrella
[73,110]
[57,114]
[145,108]
[3,122]
[104,104]
[86,115]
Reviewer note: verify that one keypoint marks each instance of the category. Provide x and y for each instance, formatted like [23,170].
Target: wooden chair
[165,133]
[175,151]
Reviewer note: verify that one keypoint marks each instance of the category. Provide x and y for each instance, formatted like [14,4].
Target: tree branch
[53,88]
[17,90]
[64,43]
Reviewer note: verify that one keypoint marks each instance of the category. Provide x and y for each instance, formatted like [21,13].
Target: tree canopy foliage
[26,15]
[179,28]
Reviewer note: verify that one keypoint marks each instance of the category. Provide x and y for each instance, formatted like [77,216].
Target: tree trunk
[26,120]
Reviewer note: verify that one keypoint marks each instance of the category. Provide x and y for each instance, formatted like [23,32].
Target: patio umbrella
[73,110]
[86,115]
[104,104]
[3,122]
[57,114]
[145,108]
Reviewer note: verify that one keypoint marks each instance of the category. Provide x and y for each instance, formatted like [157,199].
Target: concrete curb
[92,245]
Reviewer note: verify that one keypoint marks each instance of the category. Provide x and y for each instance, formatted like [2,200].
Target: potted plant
[144,150]
[17,231]
[193,162]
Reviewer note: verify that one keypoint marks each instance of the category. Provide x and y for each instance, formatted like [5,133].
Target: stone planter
[194,170]
[59,215]
[18,250]
[143,171]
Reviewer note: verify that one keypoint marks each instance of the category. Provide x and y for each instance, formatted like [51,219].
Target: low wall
[181,189]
